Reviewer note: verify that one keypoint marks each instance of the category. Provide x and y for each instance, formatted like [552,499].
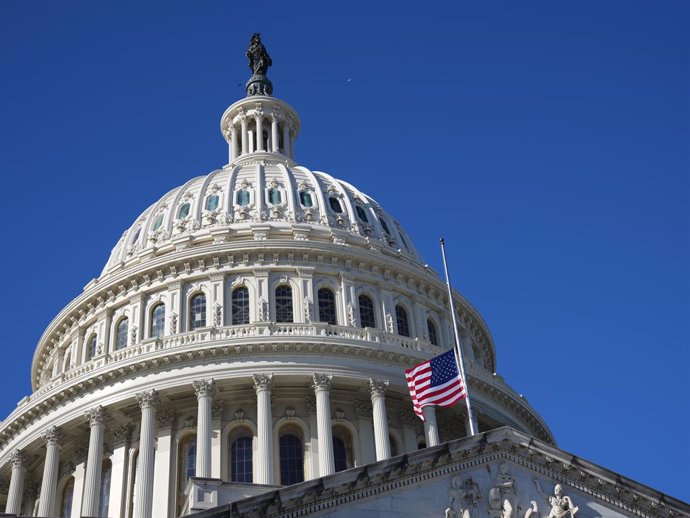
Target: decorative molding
[204,388]
[123,433]
[148,399]
[165,418]
[19,459]
[321,382]
[363,408]
[377,388]
[217,408]
[263,382]
[53,436]
[98,416]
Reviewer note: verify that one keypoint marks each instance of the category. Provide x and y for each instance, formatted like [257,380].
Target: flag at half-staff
[435,382]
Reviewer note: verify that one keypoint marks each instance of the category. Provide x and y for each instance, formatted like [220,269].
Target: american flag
[435,382]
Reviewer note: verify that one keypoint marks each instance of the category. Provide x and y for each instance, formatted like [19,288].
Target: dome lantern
[259,124]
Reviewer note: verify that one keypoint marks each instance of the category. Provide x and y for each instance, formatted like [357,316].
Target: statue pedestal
[259,85]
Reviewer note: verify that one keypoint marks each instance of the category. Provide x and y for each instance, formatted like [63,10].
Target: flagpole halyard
[456,348]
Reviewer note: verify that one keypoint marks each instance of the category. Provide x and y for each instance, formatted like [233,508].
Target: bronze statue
[259,60]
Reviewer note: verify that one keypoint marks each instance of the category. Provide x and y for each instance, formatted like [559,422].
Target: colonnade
[244,140]
[88,498]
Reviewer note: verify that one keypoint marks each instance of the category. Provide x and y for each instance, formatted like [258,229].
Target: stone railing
[255,333]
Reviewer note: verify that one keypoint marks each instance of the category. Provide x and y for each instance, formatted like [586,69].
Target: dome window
[327,311]
[92,347]
[361,214]
[212,202]
[366,312]
[305,199]
[241,457]
[136,235]
[158,321]
[157,222]
[284,304]
[183,211]
[197,311]
[121,336]
[384,225]
[243,198]
[335,205]
[274,196]
[240,306]
[431,329]
[402,321]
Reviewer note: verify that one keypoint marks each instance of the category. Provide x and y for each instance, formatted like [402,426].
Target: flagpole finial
[443,241]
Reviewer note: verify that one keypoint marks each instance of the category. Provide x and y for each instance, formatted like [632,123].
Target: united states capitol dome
[252,327]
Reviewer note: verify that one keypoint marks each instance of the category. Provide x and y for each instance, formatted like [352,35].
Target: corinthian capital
[204,388]
[53,435]
[98,415]
[263,382]
[321,381]
[19,459]
[378,387]
[148,399]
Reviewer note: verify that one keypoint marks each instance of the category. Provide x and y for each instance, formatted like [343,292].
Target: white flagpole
[458,351]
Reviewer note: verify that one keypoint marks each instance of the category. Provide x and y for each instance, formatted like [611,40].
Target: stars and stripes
[435,382]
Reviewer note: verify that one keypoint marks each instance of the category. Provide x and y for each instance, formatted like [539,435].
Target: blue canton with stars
[443,368]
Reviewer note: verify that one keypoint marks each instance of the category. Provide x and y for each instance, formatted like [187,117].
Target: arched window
[327,311]
[385,226]
[158,320]
[284,304]
[335,205]
[401,319]
[212,202]
[183,211]
[241,456]
[431,329]
[342,449]
[291,459]
[92,347]
[186,466]
[197,311]
[104,501]
[366,312]
[305,199]
[240,306]
[243,198]
[121,337]
[66,500]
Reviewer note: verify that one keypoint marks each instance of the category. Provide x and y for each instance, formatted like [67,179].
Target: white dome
[261,199]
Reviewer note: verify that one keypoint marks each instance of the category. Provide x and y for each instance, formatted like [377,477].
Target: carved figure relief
[307,310]
[561,506]
[464,495]
[173,323]
[263,310]
[503,496]
[217,315]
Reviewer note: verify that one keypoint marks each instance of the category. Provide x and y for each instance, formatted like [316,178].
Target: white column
[259,118]
[162,501]
[119,459]
[147,437]
[366,431]
[286,139]
[216,438]
[233,143]
[205,390]
[52,437]
[263,467]
[274,132]
[430,426]
[378,403]
[322,386]
[19,460]
[245,136]
[97,418]
[310,403]
[79,472]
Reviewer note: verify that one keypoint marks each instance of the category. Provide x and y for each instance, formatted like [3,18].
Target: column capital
[378,387]
[148,399]
[19,459]
[53,436]
[165,418]
[98,415]
[263,382]
[321,382]
[204,388]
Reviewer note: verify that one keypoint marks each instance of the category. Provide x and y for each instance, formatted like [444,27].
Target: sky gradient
[546,141]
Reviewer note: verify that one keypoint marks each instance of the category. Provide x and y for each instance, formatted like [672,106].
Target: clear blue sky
[547,141]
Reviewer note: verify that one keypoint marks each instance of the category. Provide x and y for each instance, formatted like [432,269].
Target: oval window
[243,198]
[212,202]
[335,205]
[183,211]
[157,222]
[361,214]
[305,199]
[274,196]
